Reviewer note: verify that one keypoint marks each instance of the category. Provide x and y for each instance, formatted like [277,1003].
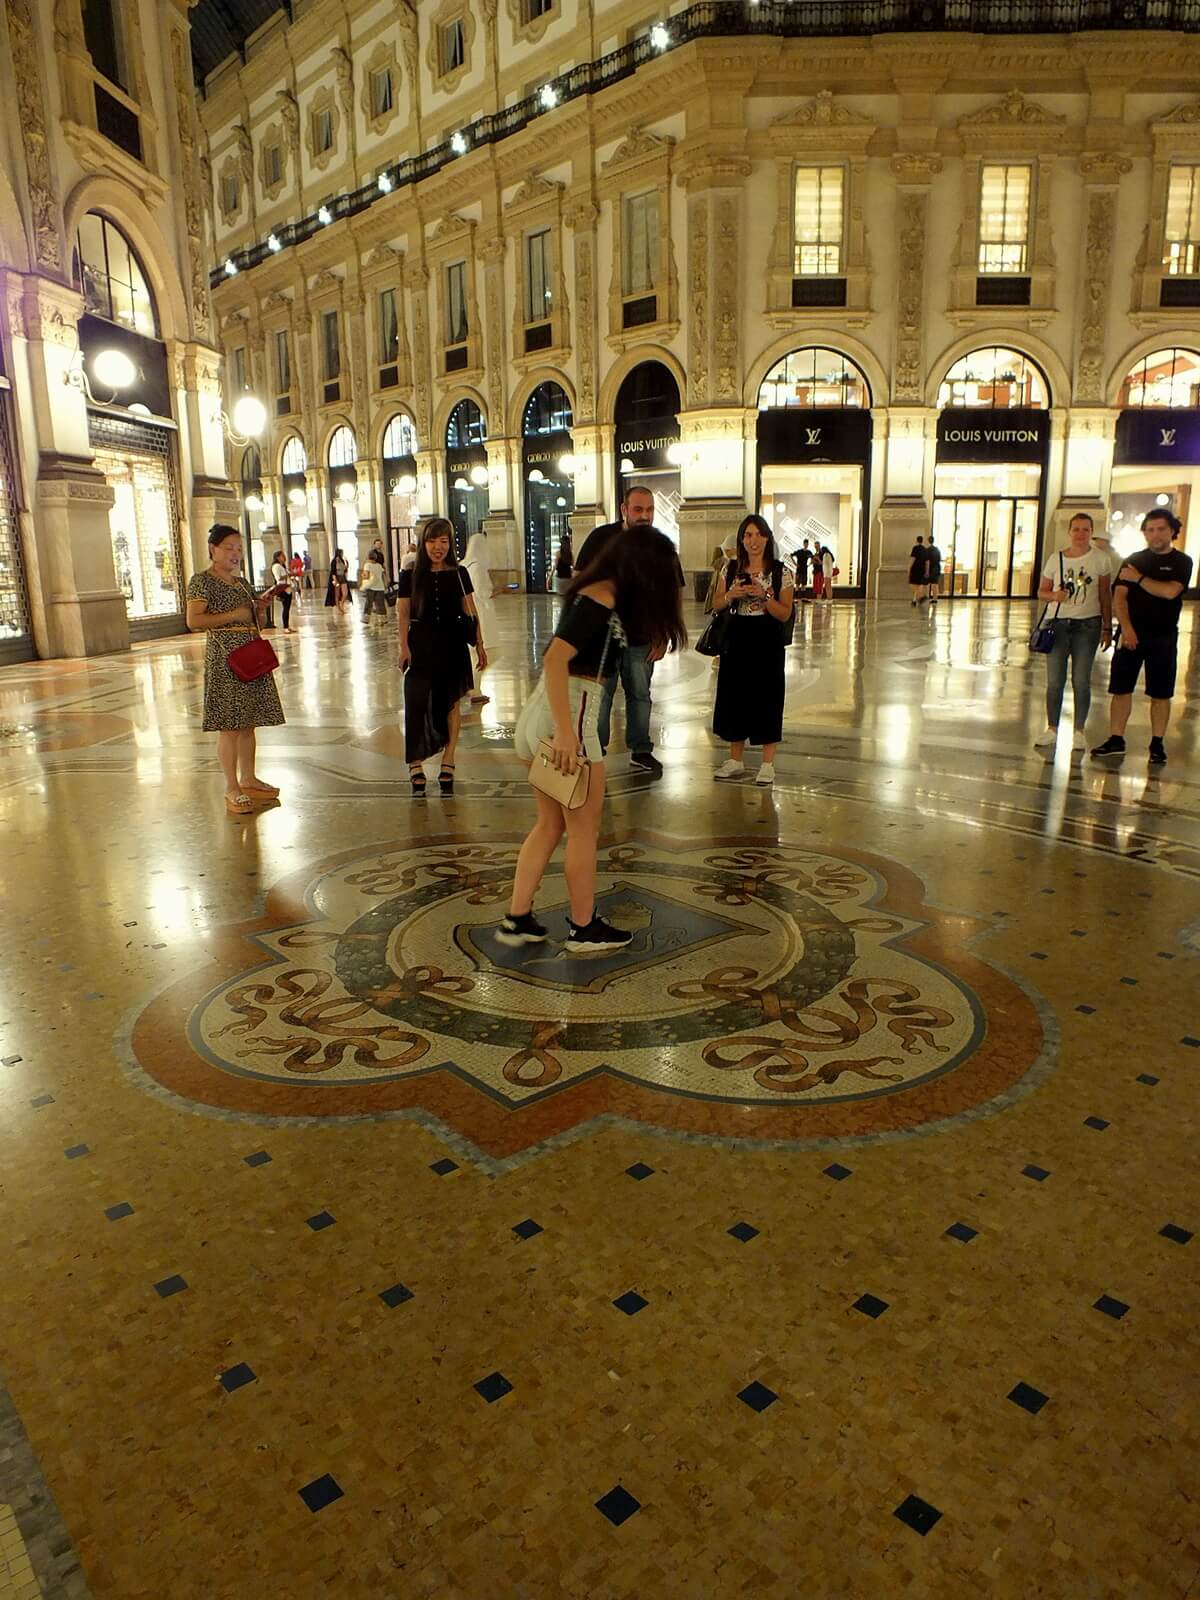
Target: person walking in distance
[372,583]
[283,586]
[933,570]
[827,572]
[804,561]
[337,590]
[296,573]
[1147,600]
[632,587]
[637,662]
[757,590]
[918,571]
[1076,582]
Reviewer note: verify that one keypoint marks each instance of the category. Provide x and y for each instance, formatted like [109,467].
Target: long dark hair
[643,567]
[436,527]
[769,556]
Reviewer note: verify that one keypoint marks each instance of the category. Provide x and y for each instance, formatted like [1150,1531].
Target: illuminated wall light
[1162,499]
[675,455]
[273,243]
[479,476]
[548,97]
[114,369]
[460,484]
[249,416]
[140,410]
[385,183]
[660,39]
[566,465]
[231,267]
[324,216]
[296,497]
[253,502]
[407,484]
[458,143]
[626,466]
[347,491]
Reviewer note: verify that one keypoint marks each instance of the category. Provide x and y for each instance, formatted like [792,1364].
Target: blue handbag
[1041,640]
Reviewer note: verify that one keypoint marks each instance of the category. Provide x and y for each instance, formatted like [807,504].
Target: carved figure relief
[907,379]
[1101,227]
[31,100]
[698,389]
[726,339]
[1013,111]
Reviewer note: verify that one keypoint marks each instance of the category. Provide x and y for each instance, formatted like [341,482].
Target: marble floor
[834,1240]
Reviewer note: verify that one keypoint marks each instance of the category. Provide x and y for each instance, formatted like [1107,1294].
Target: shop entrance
[467,500]
[136,460]
[988,545]
[293,467]
[16,642]
[400,489]
[647,419]
[1156,458]
[549,489]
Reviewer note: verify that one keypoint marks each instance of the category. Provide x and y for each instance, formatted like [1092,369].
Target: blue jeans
[1077,639]
[636,672]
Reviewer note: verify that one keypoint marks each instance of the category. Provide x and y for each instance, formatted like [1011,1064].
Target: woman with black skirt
[758,592]
[437,623]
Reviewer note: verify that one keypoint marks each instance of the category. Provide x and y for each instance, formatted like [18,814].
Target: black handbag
[712,640]
[469,624]
[1041,640]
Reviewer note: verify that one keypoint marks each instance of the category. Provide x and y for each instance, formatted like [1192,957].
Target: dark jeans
[636,672]
[285,600]
[1076,640]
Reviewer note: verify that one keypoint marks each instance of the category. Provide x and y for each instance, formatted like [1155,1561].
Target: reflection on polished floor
[836,1239]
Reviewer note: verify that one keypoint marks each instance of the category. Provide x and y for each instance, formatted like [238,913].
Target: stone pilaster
[1102,174]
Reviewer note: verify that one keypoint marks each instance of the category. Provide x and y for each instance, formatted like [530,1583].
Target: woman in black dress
[337,590]
[918,571]
[433,605]
[758,590]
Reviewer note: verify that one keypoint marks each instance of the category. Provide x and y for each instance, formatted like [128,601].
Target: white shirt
[757,608]
[827,564]
[279,572]
[1081,578]
[373,576]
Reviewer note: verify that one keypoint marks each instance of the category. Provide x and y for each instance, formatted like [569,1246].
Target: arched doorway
[16,637]
[814,457]
[549,485]
[466,472]
[341,457]
[993,440]
[293,490]
[130,425]
[399,452]
[1156,458]
[257,557]
[647,440]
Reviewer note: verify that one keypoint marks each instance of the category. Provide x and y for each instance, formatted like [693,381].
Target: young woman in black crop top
[634,586]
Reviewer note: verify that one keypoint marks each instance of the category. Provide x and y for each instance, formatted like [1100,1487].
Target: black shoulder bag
[1041,640]
[712,640]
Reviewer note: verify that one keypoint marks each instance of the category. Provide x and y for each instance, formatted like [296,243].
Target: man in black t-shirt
[637,663]
[1147,600]
[804,560]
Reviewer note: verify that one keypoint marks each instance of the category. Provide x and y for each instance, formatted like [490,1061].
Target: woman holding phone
[757,590]
[632,586]
[221,603]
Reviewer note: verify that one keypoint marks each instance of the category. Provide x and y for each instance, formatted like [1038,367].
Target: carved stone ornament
[31,101]
[495,343]
[1101,227]
[1013,111]
[275,300]
[907,374]
[193,210]
[639,145]
[1104,167]
[583,214]
[698,391]
[585,323]
[325,280]
[289,116]
[529,29]
[822,111]
[384,255]
[1189,113]
[915,166]
[533,189]
[68,28]
[726,303]
[245,153]
[344,71]
[493,250]
[451,226]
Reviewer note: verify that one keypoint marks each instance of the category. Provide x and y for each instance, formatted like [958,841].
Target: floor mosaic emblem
[771,991]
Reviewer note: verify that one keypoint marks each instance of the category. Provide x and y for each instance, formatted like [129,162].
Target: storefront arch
[625,364]
[525,391]
[293,496]
[1176,339]
[852,349]
[397,447]
[256,556]
[1025,344]
[121,206]
[548,478]
[341,457]
[1156,451]
[993,445]
[466,469]
[647,453]
[813,436]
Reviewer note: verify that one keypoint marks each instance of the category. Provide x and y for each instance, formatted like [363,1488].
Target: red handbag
[252,660]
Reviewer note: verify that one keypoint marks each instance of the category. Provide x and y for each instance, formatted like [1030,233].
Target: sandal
[262,788]
[446,779]
[416,776]
[239,805]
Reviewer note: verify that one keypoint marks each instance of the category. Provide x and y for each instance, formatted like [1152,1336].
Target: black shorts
[1158,657]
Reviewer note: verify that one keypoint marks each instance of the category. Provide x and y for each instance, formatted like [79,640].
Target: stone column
[319,547]
[505,554]
[589,445]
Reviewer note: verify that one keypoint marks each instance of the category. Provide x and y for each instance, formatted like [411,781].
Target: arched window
[548,411]
[109,273]
[295,457]
[814,377]
[399,438]
[995,378]
[1163,378]
[466,426]
[647,394]
[343,452]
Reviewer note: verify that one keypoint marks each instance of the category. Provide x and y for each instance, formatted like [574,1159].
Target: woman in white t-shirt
[279,572]
[1076,589]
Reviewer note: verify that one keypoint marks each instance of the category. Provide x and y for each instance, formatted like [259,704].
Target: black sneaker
[647,762]
[525,929]
[1113,746]
[1158,753]
[595,939]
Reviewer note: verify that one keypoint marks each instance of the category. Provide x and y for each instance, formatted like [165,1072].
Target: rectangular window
[531,10]
[452,46]
[640,269]
[283,363]
[381,92]
[1181,253]
[239,371]
[819,220]
[538,293]
[322,131]
[274,165]
[331,347]
[389,328]
[230,193]
[456,303]
[1004,219]
[101,33]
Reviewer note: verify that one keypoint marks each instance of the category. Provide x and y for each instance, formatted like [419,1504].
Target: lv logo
[814,435]
[1168,438]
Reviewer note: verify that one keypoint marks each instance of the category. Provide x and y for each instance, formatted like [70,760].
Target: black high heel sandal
[446,780]
[416,777]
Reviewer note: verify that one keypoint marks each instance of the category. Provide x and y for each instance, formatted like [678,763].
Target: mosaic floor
[833,1240]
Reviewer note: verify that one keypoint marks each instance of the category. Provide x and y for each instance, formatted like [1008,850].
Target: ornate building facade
[112,451]
[876,285]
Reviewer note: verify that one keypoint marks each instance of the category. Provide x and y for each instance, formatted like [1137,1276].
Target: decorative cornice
[915,166]
[638,145]
[822,111]
[534,188]
[1104,168]
[1013,111]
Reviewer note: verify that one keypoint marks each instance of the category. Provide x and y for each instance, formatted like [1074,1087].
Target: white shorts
[537,720]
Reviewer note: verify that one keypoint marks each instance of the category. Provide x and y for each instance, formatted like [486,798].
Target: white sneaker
[1046,740]
[731,769]
[1078,742]
[766,775]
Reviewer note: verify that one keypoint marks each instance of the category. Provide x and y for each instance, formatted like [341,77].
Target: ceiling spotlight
[458,143]
[659,37]
[114,370]
[273,243]
[548,97]
[385,183]
[1162,499]
[347,491]
[324,216]
[296,497]
[249,416]
[253,502]
[231,267]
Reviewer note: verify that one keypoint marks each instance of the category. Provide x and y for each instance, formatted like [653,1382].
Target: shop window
[1181,253]
[399,438]
[1165,378]
[452,46]
[111,277]
[819,216]
[640,238]
[331,347]
[343,450]
[813,378]
[538,292]
[382,93]
[456,303]
[239,370]
[231,195]
[1004,219]
[996,379]
[283,373]
[137,463]
[273,165]
[322,130]
[294,458]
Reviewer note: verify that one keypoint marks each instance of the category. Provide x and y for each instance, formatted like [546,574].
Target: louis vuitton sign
[1148,438]
[969,434]
[822,433]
